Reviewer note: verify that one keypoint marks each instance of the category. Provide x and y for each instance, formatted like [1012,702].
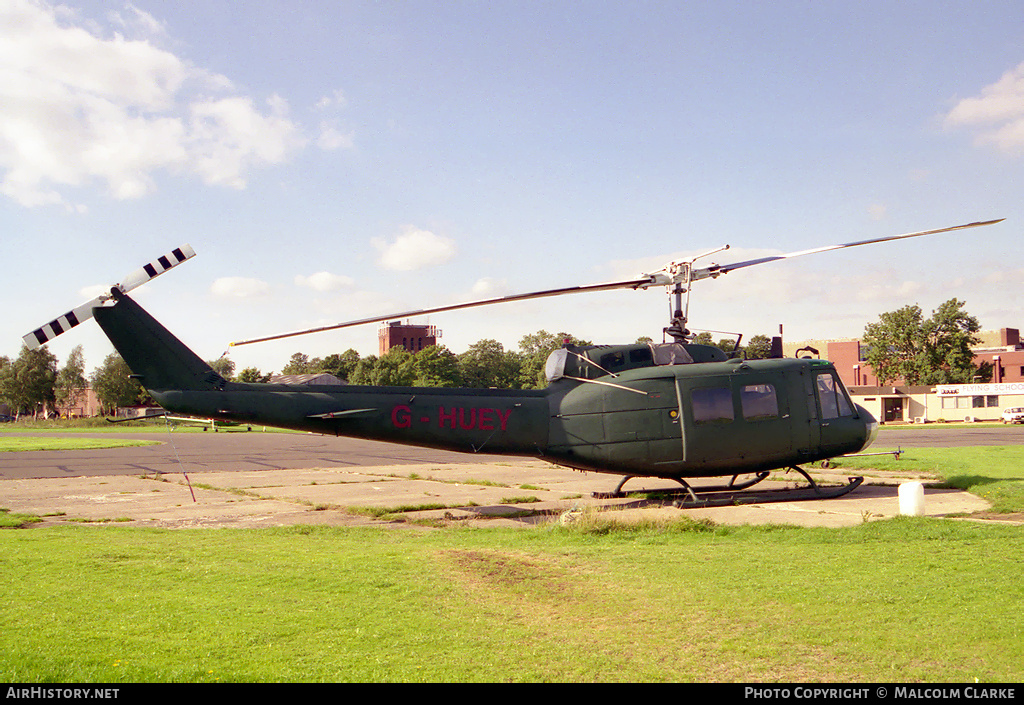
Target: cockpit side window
[832,398]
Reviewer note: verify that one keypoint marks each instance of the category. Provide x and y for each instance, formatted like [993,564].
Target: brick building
[411,337]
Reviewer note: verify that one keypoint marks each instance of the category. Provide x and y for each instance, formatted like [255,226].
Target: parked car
[1013,415]
[4,418]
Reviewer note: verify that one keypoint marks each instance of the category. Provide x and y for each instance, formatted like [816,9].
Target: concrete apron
[515,493]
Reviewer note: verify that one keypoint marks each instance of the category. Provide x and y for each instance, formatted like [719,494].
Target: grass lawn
[10,443]
[901,600]
[101,425]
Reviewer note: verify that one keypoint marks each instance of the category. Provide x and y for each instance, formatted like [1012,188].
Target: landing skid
[692,501]
[732,494]
[617,493]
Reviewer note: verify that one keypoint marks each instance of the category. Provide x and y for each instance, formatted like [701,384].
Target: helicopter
[674,410]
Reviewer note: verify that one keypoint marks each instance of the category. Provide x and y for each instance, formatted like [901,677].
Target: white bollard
[912,499]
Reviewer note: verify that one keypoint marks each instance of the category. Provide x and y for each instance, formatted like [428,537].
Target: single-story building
[943,402]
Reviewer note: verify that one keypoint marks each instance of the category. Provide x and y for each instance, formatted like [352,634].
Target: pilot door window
[833,401]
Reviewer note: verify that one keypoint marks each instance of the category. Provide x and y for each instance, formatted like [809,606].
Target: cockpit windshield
[670,354]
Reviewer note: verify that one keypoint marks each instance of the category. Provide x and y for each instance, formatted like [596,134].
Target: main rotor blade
[716,270]
[608,286]
[671,274]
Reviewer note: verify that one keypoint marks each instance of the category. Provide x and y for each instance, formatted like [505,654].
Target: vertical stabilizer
[154,355]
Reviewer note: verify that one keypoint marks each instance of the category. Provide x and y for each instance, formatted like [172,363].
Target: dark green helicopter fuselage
[673,411]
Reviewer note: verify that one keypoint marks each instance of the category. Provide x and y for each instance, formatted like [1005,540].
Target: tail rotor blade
[61,324]
[84,312]
[157,267]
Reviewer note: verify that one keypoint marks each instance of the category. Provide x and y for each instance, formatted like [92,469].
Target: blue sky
[335,160]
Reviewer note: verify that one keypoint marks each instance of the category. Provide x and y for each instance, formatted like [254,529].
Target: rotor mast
[681,274]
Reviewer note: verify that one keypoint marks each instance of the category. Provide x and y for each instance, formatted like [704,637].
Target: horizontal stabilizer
[84,312]
[340,414]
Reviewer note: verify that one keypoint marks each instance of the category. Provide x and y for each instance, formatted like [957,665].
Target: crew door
[736,421]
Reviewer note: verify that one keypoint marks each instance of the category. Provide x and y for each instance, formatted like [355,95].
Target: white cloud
[998,113]
[77,108]
[137,20]
[239,287]
[229,136]
[414,249]
[324,282]
[334,99]
[490,288]
[331,138]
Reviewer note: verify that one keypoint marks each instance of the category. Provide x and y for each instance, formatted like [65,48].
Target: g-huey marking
[465,418]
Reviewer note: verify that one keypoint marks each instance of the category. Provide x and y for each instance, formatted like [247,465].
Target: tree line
[33,384]
[486,363]
[902,344]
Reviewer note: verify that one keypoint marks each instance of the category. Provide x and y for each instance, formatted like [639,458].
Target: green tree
[759,348]
[395,368]
[950,334]
[223,366]
[114,386]
[5,370]
[487,364]
[436,366]
[252,374]
[895,345]
[363,371]
[903,345]
[70,386]
[300,364]
[27,384]
[341,365]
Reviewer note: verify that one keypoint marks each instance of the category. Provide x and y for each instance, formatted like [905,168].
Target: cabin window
[833,401]
[712,404]
[613,360]
[640,356]
[759,402]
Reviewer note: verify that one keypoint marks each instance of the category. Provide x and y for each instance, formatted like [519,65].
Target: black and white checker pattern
[77,315]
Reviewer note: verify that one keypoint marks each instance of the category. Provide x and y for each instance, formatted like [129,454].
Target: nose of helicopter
[870,426]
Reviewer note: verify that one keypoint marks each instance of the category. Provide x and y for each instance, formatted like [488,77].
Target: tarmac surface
[245,480]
